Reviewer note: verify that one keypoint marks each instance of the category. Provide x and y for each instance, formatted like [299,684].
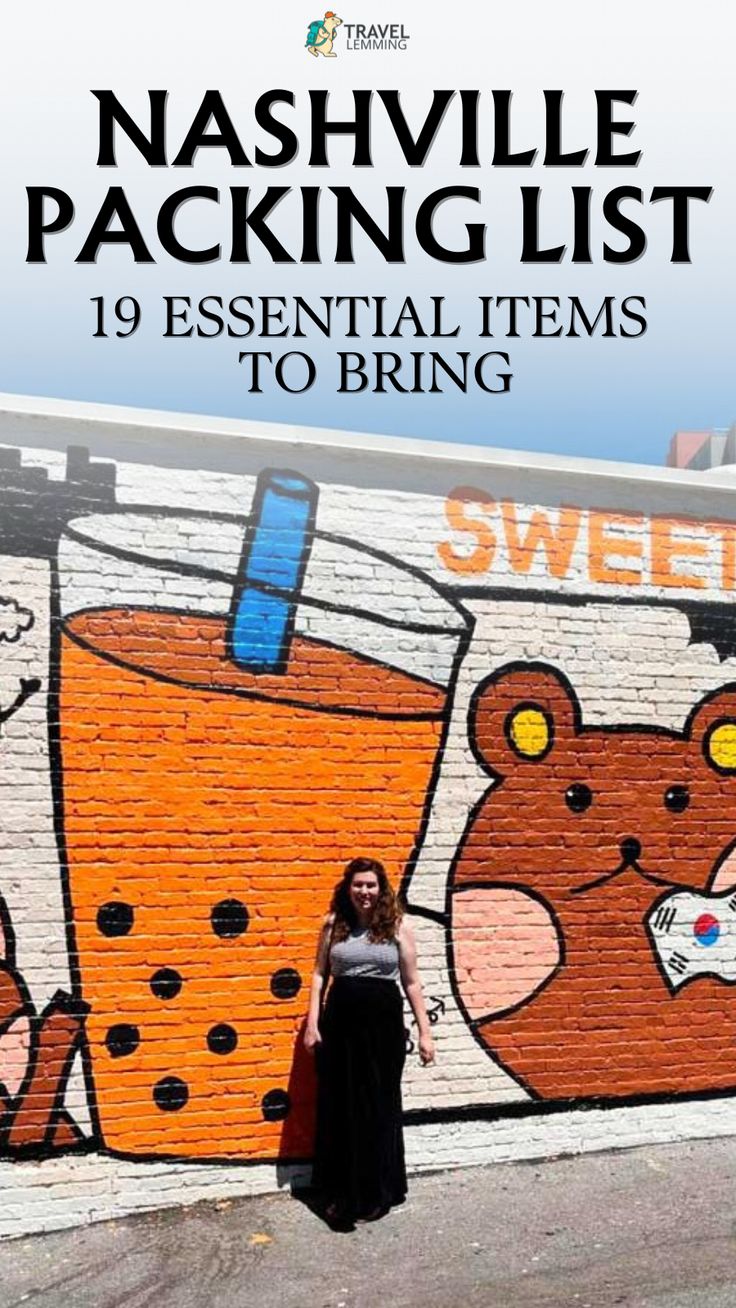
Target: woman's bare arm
[312,1036]
[413,990]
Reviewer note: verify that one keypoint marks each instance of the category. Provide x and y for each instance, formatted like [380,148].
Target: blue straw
[271,571]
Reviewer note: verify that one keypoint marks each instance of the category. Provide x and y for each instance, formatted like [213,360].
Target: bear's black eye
[677,798]
[578,797]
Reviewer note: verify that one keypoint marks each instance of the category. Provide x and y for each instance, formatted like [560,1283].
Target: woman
[360,1041]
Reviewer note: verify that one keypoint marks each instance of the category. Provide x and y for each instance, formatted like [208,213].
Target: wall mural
[585,846]
[233,706]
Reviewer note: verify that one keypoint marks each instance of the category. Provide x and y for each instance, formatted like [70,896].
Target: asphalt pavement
[647,1228]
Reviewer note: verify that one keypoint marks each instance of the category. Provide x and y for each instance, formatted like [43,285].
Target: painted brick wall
[232,659]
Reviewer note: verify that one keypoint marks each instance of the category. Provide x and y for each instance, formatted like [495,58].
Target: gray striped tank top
[359,956]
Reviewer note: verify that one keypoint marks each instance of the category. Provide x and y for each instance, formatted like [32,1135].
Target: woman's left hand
[426,1050]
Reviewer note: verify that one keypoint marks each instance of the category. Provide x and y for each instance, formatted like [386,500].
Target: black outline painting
[173,1094]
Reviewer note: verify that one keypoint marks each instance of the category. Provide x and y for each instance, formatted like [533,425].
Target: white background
[617,398]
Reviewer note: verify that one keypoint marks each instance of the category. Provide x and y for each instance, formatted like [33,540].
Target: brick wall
[513,681]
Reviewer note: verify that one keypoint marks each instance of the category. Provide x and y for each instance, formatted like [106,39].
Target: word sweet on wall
[528,714]
[602,547]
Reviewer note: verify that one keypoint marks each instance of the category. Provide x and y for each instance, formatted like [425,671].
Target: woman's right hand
[312,1037]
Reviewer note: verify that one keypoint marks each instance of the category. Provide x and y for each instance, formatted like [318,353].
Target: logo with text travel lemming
[321,35]
[376,36]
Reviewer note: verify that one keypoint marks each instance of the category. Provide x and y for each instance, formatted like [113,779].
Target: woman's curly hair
[387,913]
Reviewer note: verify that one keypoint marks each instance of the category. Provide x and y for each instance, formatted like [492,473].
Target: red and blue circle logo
[706,930]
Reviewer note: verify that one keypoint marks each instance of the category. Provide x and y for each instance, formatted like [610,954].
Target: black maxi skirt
[359,1153]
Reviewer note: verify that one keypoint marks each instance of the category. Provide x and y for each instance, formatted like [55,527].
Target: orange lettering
[482,556]
[665,550]
[558,541]
[728,553]
[601,545]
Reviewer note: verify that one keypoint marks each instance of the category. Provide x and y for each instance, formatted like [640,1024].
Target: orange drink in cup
[210,808]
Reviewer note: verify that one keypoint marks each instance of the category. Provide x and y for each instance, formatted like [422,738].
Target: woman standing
[360,1042]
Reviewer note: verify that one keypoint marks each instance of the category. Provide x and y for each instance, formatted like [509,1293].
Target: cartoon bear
[586,837]
[36,1055]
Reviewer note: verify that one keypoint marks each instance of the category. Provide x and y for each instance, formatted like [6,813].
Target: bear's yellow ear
[529,731]
[719,745]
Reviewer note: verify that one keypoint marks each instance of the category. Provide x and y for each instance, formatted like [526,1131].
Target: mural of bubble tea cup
[244,706]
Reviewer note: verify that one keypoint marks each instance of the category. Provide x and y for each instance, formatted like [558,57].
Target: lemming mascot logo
[321,35]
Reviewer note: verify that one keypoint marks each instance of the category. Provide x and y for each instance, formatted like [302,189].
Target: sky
[614,398]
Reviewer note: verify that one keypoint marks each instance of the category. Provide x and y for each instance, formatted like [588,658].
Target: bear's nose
[630,849]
